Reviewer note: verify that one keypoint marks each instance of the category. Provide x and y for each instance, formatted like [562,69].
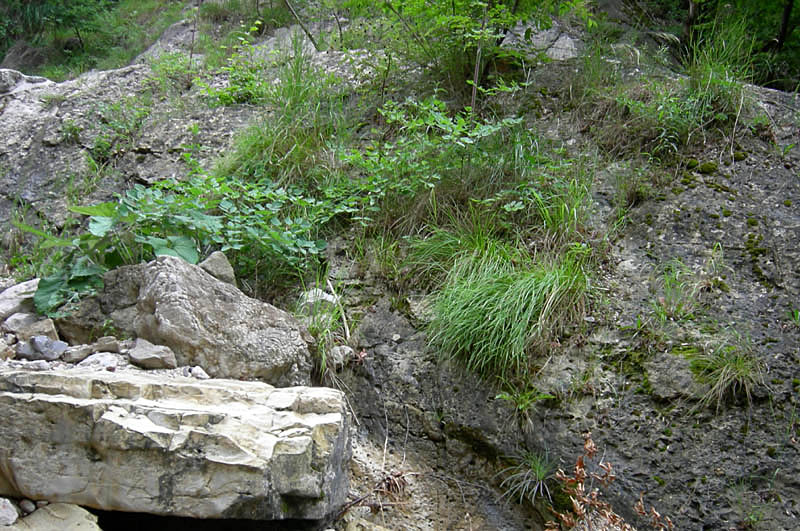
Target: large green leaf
[100,225]
[108,209]
[50,294]
[182,247]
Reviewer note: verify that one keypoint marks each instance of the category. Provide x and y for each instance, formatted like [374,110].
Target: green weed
[676,289]
[328,324]
[119,124]
[523,401]
[430,258]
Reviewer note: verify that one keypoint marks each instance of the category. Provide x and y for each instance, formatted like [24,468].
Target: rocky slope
[429,440]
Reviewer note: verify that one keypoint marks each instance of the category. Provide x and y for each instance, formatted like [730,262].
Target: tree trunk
[784,32]
[688,27]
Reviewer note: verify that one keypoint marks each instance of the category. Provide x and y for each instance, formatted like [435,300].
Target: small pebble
[27,506]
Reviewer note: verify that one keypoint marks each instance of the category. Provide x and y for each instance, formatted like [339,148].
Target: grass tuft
[528,478]
[731,371]
[492,314]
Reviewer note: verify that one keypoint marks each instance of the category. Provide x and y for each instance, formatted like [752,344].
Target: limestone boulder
[57,516]
[173,446]
[210,323]
[18,299]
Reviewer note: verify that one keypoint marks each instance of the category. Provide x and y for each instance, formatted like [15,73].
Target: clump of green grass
[527,480]
[291,146]
[492,314]
[732,370]
[431,257]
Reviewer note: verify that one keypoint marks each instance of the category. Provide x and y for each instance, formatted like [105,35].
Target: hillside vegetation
[576,232]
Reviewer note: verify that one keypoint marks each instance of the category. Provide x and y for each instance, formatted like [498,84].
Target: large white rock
[177,446]
[210,323]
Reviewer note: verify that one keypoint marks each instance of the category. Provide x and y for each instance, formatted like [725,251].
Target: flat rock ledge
[182,447]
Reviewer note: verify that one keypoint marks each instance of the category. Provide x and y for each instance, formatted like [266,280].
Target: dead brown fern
[588,510]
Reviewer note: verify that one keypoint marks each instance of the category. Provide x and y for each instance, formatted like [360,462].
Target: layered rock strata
[177,446]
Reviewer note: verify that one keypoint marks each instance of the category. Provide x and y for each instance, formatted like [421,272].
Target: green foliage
[67,285]
[292,145]
[172,73]
[527,480]
[794,317]
[665,117]
[730,369]
[118,126]
[430,258]
[447,39]
[246,70]
[746,36]
[430,163]
[29,19]
[524,400]
[493,315]
[75,36]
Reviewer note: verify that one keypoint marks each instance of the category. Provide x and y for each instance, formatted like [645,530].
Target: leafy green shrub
[267,230]
[492,314]
[171,72]
[434,159]
[119,125]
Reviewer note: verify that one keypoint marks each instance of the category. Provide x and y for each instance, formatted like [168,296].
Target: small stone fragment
[77,353]
[341,354]
[25,351]
[104,360]
[199,373]
[6,352]
[218,266]
[18,298]
[106,344]
[8,512]
[149,356]
[49,349]
[27,506]
[38,365]
[58,516]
